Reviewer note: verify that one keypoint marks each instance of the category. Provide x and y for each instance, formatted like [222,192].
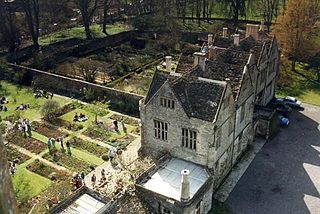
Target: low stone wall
[125,102]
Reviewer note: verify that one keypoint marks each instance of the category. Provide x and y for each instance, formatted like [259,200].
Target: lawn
[28,184]
[78,32]
[293,84]
[18,95]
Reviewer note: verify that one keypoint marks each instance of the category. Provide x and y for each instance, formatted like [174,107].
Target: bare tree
[236,8]
[106,6]
[268,10]
[87,69]
[87,9]
[31,10]
[9,31]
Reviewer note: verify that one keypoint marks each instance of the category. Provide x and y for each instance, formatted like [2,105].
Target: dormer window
[167,103]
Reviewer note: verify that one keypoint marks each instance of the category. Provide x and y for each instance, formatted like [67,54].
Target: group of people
[102,180]
[37,94]
[52,145]
[78,180]
[3,101]
[23,107]
[25,126]
[80,118]
[116,128]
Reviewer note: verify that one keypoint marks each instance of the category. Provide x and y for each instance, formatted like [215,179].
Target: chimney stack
[212,52]
[200,59]
[168,63]
[236,39]
[210,39]
[225,32]
[185,185]
[252,30]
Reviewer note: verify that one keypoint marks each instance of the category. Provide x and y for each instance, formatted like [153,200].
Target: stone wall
[8,204]
[119,100]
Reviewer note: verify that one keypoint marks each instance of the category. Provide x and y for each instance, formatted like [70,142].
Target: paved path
[127,157]
[32,155]
[284,177]
[237,171]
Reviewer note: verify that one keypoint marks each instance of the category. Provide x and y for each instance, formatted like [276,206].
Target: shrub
[48,109]
[105,157]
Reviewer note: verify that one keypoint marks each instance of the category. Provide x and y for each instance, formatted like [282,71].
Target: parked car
[281,108]
[290,101]
[283,120]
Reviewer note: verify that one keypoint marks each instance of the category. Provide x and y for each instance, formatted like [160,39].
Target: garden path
[127,157]
[32,155]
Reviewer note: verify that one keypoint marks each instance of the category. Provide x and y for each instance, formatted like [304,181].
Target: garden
[40,172]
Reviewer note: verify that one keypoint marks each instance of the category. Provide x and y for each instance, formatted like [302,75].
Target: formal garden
[41,172]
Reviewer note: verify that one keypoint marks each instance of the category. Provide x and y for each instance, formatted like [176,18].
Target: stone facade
[246,70]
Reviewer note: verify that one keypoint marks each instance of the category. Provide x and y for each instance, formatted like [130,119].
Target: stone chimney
[210,39]
[212,52]
[252,30]
[185,185]
[236,39]
[225,32]
[168,63]
[200,59]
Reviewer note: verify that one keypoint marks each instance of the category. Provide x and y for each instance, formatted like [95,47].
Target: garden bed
[47,129]
[70,162]
[88,146]
[67,125]
[121,143]
[33,145]
[16,156]
[41,169]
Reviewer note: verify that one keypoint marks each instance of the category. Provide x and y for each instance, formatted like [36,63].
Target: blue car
[283,120]
[290,101]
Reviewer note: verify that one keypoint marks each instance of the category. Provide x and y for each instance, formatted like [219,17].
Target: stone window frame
[167,102]
[218,138]
[242,112]
[198,209]
[160,130]
[189,138]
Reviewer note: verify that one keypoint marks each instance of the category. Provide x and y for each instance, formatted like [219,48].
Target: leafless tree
[31,10]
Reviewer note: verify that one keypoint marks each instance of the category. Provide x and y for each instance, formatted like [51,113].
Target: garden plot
[42,169]
[70,162]
[47,129]
[30,144]
[139,83]
[16,156]
[88,146]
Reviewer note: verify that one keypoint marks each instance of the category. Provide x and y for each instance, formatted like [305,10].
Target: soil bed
[33,145]
[16,156]
[41,169]
[70,162]
[47,130]
[88,146]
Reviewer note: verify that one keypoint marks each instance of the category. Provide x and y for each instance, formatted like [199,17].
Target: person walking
[115,123]
[123,125]
[49,144]
[68,147]
[93,180]
[53,141]
[61,142]
[82,177]
[103,176]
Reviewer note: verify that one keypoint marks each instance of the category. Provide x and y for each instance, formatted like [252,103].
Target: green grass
[23,96]
[293,84]
[28,184]
[69,116]
[79,33]
[81,155]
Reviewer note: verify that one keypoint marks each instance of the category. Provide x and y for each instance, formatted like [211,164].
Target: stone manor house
[201,120]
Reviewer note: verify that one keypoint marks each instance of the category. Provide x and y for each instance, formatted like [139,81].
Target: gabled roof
[199,97]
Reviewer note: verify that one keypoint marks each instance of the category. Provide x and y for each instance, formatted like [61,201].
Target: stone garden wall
[121,101]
